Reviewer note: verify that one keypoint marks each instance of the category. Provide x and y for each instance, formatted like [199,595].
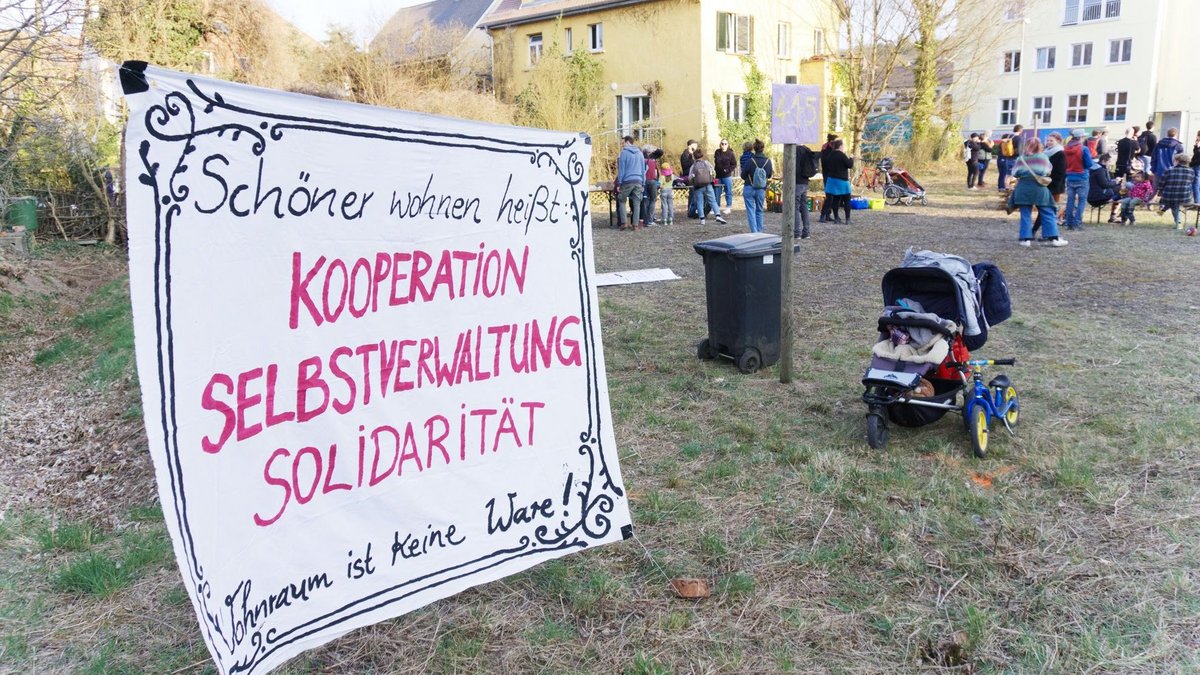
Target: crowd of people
[1139,169]
[645,177]
[1052,182]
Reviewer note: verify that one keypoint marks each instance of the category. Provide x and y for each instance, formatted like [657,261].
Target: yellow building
[669,64]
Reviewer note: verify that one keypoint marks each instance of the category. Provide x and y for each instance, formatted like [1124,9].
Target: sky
[364,17]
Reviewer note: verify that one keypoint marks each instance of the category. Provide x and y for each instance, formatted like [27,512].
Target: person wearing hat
[1079,163]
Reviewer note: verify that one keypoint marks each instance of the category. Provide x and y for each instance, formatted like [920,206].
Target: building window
[1008,111]
[568,41]
[535,48]
[1077,108]
[1081,54]
[734,32]
[1042,106]
[1090,10]
[819,46]
[1045,58]
[1114,106]
[1120,50]
[596,36]
[783,40]
[1012,62]
[633,112]
[839,111]
[790,79]
[735,107]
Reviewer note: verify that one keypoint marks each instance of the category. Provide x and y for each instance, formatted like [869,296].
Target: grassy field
[1074,547]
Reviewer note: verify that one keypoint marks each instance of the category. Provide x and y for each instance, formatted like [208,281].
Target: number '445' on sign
[795,113]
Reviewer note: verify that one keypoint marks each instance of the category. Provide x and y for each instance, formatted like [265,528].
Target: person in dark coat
[1102,189]
[726,162]
[835,168]
[685,167]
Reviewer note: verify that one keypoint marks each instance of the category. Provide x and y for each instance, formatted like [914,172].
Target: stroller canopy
[944,285]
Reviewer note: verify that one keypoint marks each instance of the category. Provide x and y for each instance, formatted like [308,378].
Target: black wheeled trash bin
[742,286]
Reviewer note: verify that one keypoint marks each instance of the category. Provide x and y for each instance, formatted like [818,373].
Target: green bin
[22,211]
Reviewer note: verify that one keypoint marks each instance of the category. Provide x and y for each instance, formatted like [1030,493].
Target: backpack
[758,179]
[993,293]
[1091,145]
[807,163]
[967,152]
[1006,148]
[701,174]
[1144,143]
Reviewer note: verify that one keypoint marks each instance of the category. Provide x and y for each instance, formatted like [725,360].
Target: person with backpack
[970,151]
[983,155]
[807,165]
[701,179]
[1006,153]
[631,179]
[755,173]
[835,167]
[1162,157]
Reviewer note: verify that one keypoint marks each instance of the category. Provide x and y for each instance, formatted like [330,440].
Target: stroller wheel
[924,200]
[877,430]
[979,430]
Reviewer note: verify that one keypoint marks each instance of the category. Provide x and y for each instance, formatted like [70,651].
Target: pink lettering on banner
[324,290]
[394,451]
[246,404]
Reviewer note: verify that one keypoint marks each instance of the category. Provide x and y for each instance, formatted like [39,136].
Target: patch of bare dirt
[70,450]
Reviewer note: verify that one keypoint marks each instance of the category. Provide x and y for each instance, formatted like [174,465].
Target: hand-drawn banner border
[596,492]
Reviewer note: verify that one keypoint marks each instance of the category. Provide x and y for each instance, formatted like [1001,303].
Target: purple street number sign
[795,113]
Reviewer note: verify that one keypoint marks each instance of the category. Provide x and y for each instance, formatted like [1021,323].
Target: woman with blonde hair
[1032,170]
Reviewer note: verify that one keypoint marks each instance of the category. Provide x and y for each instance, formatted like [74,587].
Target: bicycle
[983,403]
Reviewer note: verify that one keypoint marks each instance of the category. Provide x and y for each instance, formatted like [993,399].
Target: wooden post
[785,263]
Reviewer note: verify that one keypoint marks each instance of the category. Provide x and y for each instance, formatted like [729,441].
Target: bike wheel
[1013,415]
[892,194]
[877,430]
[979,430]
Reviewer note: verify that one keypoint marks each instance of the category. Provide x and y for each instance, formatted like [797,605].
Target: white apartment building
[1064,64]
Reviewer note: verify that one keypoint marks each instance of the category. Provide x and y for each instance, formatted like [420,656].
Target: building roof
[403,30]
[516,12]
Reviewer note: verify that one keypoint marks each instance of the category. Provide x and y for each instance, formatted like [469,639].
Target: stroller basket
[909,415]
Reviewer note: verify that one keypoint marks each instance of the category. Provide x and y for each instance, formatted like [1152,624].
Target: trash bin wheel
[749,361]
[705,351]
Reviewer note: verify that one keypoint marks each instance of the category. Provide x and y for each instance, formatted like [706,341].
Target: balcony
[1091,10]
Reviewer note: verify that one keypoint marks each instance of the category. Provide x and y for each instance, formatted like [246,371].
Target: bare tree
[874,34]
[957,32]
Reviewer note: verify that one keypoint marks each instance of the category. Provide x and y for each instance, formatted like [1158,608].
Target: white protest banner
[369,353]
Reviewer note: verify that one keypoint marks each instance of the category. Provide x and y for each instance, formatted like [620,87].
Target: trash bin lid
[744,245]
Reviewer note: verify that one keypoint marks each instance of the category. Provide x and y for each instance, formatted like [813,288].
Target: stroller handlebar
[991,362]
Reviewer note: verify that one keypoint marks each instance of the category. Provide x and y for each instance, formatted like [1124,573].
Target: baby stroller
[937,308]
[899,185]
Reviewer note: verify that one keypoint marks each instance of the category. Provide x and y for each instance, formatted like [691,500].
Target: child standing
[666,193]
